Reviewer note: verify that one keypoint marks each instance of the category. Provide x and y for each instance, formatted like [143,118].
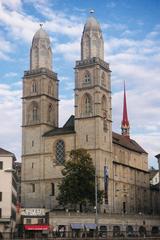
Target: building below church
[46,146]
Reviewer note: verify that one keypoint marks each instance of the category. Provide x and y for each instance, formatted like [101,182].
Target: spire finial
[91,11]
[125,123]
[41,24]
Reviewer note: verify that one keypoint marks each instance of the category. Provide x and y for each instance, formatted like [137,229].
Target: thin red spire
[125,123]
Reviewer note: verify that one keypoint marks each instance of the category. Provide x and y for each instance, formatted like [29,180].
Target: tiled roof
[5,152]
[127,143]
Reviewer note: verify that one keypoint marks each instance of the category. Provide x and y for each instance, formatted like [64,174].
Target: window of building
[50,88]
[60,152]
[33,187]
[34,87]
[49,112]
[104,103]
[52,189]
[87,104]
[87,77]
[86,138]
[32,143]
[28,221]
[32,164]
[0,196]
[124,207]
[40,220]
[103,80]
[0,212]
[1,165]
[35,113]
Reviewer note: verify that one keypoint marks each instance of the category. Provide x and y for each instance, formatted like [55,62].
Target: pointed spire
[125,123]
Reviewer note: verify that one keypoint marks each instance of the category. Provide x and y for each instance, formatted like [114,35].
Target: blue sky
[131,31]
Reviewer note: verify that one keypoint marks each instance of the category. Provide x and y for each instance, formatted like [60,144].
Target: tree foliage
[78,183]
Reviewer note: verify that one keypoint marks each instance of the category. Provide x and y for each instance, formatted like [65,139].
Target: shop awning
[77,226]
[90,225]
[36,227]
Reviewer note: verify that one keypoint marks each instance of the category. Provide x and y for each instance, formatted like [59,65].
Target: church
[46,146]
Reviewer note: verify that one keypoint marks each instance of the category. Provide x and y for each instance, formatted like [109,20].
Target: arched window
[103,80]
[87,77]
[34,86]
[60,152]
[50,108]
[87,103]
[35,113]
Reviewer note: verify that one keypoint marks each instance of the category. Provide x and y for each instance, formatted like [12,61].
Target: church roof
[127,143]
[68,128]
[118,139]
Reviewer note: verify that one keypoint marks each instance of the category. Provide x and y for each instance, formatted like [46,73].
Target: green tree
[78,183]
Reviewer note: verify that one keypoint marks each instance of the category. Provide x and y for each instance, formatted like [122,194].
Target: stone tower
[40,114]
[93,113]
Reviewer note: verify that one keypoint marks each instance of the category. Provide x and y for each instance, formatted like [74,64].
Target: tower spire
[125,123]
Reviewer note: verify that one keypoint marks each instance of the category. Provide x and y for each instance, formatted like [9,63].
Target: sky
[131,32]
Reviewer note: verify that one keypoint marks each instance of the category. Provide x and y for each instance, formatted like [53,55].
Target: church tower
[93,123]
[40,114]
[125,123]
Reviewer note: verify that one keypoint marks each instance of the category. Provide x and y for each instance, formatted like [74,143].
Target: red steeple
[125,123]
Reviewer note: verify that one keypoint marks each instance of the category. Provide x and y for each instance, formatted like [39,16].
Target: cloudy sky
[131,31]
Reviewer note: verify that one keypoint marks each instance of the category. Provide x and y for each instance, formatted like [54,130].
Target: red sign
[36,227]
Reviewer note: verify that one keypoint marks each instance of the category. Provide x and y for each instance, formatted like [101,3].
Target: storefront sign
[36,227]
[33,212]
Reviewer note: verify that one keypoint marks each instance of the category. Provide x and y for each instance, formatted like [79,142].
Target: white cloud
[70,50]
[19,25]
[5,48]
[65,110]
[10,74]
[10,119]
[12,4]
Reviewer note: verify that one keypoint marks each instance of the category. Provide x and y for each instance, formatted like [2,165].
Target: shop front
[36,230]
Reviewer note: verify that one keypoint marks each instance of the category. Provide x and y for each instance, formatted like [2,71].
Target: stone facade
[45,147]
[8,192]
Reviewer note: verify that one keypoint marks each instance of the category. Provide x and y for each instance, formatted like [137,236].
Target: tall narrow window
[50,88]
[87,104]
[34,87]
[49,112]
[33,187]
[0,196]
[1,165]
[104,103]
[35,113]
[103,80]
[60,152]
[52,189]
